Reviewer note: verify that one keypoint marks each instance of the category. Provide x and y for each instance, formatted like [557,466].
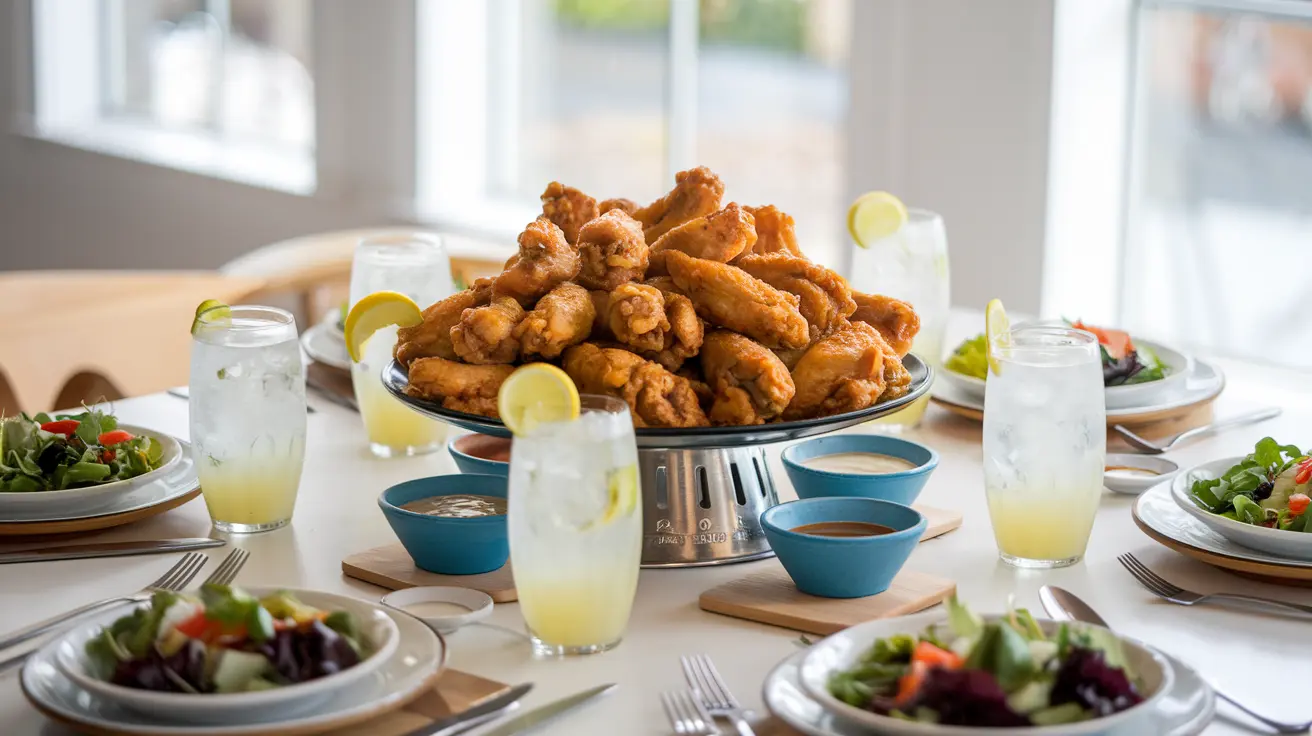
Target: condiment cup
[1134,484]
[446,545]
[470,450]
[901,487]
[842,567]
[478,605]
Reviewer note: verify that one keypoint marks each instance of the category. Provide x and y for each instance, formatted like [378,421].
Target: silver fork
[1153,448]
[709,688]
[177,578]
[686,714]
[1165,589]
[228,569]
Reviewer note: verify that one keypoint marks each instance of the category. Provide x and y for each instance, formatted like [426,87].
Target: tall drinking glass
[248,416]
[414,264]
[575,526]
[911,265]
[1045,439]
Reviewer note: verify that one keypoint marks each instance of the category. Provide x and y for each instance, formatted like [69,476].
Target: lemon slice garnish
[374,312]
[997,333]
[210,312]
[875,215]
[533,394]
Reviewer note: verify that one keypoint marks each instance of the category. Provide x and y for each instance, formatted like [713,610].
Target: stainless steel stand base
[702,506]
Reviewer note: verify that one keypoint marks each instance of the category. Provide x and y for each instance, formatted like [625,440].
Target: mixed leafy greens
[970,358]
[45,453]
[224,641]
[996,674]
[1267,488]
[1122,361]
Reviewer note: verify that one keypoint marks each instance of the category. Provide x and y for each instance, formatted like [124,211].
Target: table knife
[535,718]
[479,714]
[108,549]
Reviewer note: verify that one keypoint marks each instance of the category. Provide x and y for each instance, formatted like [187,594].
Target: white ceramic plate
[16,506]
[1184,711]
[842,650]
[1283,544]
[179,480]
[1157,508]
[376,626]
[1134,396]
[1204,382]
[324,343]
[419,657]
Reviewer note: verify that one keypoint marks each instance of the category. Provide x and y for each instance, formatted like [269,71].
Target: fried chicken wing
[432,337]
[636,316]
[545,260]
[568,208]
[895,319]
[659,325]
[656,397]
[731,298]
[486,335]
[696,192]
[842,372]
[684,338]
[719,236]
[459,386]
[824,298]
[775,232]
[627,206]
[612,251]
[789,356]
[561,318]
[751,384]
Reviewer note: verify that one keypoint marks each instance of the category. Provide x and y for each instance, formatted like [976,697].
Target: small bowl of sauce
[860,465]
[843,547]
[450,524]
[480,453]
[1133,474]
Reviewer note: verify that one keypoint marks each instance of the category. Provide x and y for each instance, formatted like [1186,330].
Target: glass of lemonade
[248,416]
[414,264]
[911,265]
[1045,439]
[575,527]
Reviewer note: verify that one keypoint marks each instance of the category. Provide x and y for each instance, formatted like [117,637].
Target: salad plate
[325,343]
[1281,543]
[1183,711]
[176,482]
[418,661]
[376,630]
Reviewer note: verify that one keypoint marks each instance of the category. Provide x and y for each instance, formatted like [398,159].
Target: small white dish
[441,606]
[842,650]
[1133,474]
[14,506]
[419,660]
[1184,711]
[1285,544]
[324,343]
[377,627]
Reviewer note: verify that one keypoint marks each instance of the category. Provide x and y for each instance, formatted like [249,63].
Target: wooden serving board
[390,567]
[92,523]
[769,596]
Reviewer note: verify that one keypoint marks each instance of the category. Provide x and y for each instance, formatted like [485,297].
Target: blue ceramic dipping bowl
[842,567]
[447,545]
[902,487]
[472,451]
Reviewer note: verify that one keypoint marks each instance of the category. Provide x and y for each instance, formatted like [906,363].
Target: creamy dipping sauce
[458,506]
[860,463]
[1130,471]
[435,609]
[843,529]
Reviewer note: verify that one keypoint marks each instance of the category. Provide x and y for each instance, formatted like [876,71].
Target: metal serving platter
[396,378]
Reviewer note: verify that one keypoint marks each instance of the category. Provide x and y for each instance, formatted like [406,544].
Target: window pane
[590,99]
[772,102]
[1223,181]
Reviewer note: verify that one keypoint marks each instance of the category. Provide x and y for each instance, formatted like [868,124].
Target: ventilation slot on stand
[760,476]
[739,494]
[662,488]
[703,488]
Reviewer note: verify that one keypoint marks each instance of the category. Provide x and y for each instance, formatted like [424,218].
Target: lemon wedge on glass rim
[374,312]
[997,332]
[874,216]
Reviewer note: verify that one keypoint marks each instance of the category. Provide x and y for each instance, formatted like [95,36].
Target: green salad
[1269,488]
[44,453]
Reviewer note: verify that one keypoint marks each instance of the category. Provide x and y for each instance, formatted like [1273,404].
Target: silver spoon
[1152,448]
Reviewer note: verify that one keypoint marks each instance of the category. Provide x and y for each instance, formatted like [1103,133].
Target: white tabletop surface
[1260,659]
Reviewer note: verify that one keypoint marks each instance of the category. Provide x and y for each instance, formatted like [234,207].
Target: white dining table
[1264,660]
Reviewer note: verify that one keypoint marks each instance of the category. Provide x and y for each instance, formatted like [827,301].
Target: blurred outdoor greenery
[774,24]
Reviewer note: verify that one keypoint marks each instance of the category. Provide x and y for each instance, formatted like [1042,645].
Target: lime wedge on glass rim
[997,333]
[208,312]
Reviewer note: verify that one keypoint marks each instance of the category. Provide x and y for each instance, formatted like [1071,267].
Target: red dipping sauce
[484,446]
